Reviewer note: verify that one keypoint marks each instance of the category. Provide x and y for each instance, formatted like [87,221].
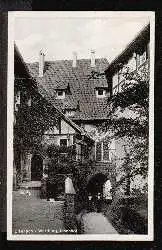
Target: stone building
[38,123]
[76,104]
[135,58]
[82,96]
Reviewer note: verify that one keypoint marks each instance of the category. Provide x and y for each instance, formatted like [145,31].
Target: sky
[58,37]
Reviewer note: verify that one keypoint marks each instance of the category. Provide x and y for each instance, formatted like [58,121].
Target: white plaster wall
[88,127]
[66,128]
[132,63]
[115,80]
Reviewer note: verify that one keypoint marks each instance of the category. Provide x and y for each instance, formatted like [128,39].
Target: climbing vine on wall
[63,161]
[128,118]
[32,121]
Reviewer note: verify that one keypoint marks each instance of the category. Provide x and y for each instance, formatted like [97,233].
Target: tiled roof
[61,75]
[46,95]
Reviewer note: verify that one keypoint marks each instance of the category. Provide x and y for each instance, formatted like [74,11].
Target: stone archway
[95,190]
[36,168]
[105,171]
[96,183]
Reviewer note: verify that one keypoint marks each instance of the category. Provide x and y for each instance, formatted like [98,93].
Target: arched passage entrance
[95,184]
[99,192]
[36,168]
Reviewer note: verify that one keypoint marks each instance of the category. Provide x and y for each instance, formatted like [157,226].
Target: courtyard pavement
[35,216]
[97,223]
[32,215]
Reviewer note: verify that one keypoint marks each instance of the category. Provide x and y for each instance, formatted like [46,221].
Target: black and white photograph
[80,126]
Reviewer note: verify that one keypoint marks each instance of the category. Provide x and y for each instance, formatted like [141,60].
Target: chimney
[74,59]
[92,58]
[41,63]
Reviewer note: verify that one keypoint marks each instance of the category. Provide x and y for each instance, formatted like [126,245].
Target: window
[105,151]
[102,151]
[98,151]
[63,142]
[60,94]
[78,152]
[101,93]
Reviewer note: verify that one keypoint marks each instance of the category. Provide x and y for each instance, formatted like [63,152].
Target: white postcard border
[10,104]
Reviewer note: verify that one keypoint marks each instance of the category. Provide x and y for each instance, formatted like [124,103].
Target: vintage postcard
[80,122]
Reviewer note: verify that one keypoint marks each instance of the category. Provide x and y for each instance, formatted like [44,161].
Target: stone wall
[100,167]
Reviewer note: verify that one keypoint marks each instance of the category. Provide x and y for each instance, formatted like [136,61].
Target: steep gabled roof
[46,95]
[141,38]
[60,74]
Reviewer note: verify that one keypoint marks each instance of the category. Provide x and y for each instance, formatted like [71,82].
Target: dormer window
[101,92]
[60,94]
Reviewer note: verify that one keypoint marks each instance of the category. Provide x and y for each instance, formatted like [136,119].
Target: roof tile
[60,74]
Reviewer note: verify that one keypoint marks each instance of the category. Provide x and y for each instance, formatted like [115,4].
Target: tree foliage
[128,118]
[32,121]
[62,161]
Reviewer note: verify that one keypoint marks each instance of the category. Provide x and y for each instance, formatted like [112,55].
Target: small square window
[100,92]
[63,142]
[60,93]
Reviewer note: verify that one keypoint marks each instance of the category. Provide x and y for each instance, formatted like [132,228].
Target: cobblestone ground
[36,216]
